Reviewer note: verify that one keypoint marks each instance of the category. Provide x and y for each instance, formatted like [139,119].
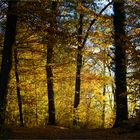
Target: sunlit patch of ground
[55,132]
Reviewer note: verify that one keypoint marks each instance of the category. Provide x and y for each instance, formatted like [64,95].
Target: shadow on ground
[55,132]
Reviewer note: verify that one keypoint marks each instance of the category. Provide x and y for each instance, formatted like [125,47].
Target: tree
[81,44]
[6,65]
[133,51]
[18,88]
[78,67]
[120,63]
[50,46]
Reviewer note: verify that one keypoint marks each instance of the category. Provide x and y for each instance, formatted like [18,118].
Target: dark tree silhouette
[120,63]
[6,64]
[50,46]
[78,68]
[82,42]
[18,88]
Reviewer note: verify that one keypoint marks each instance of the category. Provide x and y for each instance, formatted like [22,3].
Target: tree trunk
[104,91]
[51,104]
[18,89]
[78,70]
[6,64]
[104,104]
[81,45]
[120,63]
[50,46]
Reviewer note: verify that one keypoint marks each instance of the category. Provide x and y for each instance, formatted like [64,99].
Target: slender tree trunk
[50,46]
[6,65]
[78,70]
[35,87]
[81,45]
[120,63]
[104,91]
[112,102]
[104,104]
[18,88]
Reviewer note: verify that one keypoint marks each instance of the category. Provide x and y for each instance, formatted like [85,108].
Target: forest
[70,69]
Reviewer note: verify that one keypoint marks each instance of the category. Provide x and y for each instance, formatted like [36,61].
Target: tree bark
[51,105]
[78,70]
[18,89]
[120,63]
[81,45]
[50,46]
[104,105]
[6,64]
[104,93]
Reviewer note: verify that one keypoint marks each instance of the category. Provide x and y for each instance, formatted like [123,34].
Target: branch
[92,22]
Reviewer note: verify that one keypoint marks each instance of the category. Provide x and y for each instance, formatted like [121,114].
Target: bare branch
[92,22]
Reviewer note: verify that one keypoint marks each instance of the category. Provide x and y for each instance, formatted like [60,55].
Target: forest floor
[55,132]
